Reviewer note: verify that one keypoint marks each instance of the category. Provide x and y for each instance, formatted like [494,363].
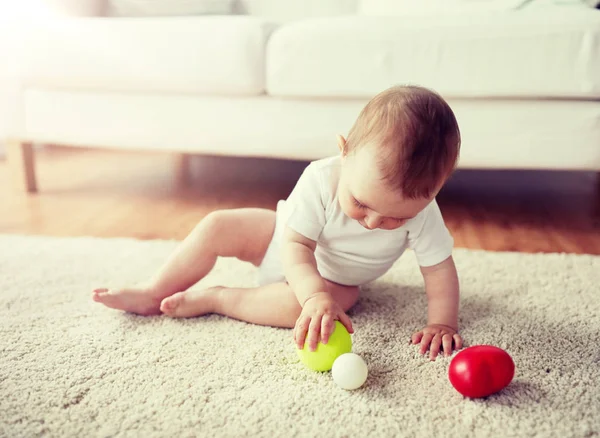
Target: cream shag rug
[72,368]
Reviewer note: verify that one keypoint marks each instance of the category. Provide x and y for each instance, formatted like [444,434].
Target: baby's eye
[358,204]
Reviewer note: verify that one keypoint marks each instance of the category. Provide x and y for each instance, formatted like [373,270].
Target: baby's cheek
[354,214]
[351,211]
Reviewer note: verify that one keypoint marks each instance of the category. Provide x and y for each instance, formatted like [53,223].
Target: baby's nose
[372,222]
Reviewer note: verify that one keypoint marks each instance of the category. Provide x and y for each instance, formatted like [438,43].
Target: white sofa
[280,78]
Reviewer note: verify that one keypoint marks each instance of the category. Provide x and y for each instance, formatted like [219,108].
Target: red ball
[481,370]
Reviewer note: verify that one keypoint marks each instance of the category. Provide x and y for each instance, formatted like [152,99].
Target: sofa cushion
[211,55]
[551,52]
[149,8]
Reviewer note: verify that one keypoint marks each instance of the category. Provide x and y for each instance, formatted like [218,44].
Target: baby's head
[398,155]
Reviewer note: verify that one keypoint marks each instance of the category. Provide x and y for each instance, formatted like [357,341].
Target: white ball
[349,371]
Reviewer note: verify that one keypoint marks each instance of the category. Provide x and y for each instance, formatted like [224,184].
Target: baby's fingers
[447,344]
[458,342]
[345,320]
[300,331]
[416,338]
[425,341]
[326,327]
[314,330]
[434,349]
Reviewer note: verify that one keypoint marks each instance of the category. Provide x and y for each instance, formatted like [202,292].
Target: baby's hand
[318,317]
[435,336]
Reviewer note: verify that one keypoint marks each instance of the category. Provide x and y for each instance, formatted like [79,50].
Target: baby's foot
[191,303]
[141,300]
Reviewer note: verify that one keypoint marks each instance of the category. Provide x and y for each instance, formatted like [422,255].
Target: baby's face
[365,197]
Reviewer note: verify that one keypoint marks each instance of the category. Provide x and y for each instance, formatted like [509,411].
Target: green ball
[323,357]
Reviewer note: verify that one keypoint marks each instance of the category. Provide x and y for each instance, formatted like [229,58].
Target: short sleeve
[430,239]
[306,205]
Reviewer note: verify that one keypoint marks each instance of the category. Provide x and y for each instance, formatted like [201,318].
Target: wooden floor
[140,195]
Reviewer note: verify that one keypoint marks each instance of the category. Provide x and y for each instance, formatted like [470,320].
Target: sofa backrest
[288,10]
[76,8]
[281,10]
[275,10]
[167,8]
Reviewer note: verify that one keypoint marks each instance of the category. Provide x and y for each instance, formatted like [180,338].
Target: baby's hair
[417,135]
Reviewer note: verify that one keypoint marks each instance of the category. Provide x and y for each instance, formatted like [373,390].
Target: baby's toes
[107,297]
[99,293]
[169,305]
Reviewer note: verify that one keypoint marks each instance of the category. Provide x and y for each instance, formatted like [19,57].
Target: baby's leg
[274,305]
[242,233]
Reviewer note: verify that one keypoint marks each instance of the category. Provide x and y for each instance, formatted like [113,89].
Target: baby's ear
[341,141]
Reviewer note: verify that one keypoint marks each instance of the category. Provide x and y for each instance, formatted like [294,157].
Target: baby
[348,219]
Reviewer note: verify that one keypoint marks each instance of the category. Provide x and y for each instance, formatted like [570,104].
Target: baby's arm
[300,266]
[319,309]
[441,285]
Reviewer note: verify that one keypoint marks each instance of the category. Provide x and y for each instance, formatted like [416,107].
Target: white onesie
[347,253]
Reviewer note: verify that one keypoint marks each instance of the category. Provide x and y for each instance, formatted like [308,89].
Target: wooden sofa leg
[21,164]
